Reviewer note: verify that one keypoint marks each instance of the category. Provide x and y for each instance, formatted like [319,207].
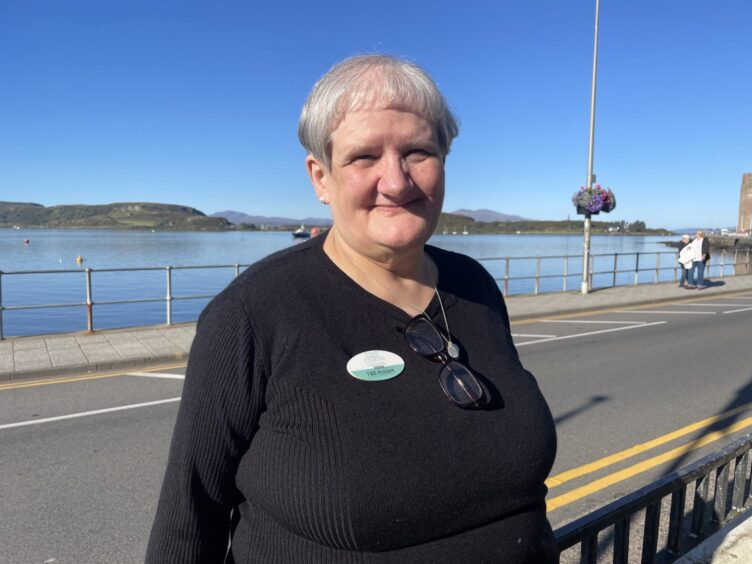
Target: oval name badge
[374,366]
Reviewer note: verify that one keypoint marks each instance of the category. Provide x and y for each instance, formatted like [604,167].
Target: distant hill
[125,215]
[237,217]
[488,216]
[140,215]
[453,224]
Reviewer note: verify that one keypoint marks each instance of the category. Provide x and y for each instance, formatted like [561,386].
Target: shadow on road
[737,405]
[584,407]
[736,410]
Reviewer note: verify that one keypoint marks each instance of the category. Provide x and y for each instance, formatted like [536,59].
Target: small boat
[301,233]
[464,230]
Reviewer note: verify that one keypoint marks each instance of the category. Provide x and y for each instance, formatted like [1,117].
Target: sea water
[54,252]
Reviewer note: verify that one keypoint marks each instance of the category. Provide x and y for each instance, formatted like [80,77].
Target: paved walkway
[25,357]
[35,357]
[527,307]
[48,355]
[732,544]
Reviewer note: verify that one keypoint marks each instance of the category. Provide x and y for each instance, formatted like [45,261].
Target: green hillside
[450,223]
[139,215]
[127,215]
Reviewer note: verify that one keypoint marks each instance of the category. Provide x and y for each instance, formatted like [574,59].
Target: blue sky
[196,102]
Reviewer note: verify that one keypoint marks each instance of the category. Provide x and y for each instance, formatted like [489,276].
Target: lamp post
[590,176]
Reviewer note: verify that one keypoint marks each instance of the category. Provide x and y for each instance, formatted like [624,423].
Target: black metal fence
[697,499]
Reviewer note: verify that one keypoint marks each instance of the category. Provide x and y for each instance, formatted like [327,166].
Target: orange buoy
[79,259]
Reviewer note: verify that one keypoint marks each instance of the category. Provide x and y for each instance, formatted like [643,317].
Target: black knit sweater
[277,447]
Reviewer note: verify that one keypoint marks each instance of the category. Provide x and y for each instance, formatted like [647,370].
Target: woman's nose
[395,175]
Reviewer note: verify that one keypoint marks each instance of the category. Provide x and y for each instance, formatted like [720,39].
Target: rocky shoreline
[720,243]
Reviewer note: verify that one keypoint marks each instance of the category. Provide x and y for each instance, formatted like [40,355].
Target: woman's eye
[417,154]
[363,160]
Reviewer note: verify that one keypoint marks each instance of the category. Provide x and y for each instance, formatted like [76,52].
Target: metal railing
[90,302]
[706,484]
[545,268]
[727,264]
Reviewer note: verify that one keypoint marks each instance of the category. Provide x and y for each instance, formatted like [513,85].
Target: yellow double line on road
[622,475]
[66,380]
[558,480]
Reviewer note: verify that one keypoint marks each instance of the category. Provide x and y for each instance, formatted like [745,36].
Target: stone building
[745,205]
[743,265]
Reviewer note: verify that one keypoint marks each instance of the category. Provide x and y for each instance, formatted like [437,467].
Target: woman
[358,397]
[685,258]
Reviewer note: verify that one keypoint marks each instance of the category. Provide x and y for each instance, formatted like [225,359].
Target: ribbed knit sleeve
[218,415]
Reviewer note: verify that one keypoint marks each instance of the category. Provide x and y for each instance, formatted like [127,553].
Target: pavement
[527,306]
[23,358]
[732,544]
[49,355]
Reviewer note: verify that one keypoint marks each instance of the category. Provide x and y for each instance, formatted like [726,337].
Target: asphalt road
[84,488]
[624,378]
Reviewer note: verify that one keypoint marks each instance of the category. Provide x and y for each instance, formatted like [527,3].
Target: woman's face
[386,180]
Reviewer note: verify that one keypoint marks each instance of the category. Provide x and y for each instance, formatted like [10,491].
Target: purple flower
[595,199]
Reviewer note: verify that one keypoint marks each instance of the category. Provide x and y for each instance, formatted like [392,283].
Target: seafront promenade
[47,355]
[31,361]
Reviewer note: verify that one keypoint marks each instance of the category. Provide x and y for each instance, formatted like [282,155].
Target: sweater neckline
[433,310]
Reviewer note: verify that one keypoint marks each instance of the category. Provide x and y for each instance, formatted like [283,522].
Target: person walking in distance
[700,255]
[686,260]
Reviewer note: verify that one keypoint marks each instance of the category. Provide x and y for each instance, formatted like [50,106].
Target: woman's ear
[319,176]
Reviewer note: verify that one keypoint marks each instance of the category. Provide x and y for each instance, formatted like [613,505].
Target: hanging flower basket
[594,200]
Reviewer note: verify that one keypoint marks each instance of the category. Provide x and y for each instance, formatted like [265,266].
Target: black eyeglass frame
[477,396]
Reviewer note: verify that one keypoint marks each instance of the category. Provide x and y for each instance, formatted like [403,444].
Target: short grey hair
[368,81]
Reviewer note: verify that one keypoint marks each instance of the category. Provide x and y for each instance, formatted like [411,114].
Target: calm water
[56,250]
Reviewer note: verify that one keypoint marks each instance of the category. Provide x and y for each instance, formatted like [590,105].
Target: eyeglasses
[457,381]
